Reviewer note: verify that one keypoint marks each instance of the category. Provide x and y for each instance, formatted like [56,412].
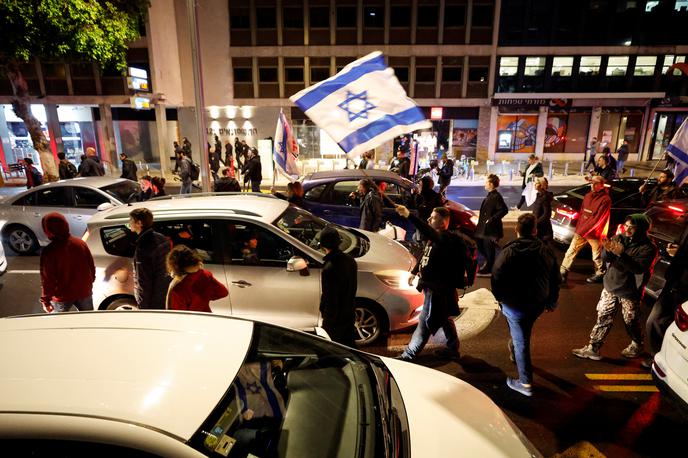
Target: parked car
[77,199]
[279,280]
[668,225]
[566,207]
[670,365]
[327,195]
[3,261]
[195,385]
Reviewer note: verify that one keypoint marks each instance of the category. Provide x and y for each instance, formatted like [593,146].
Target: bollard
[632,173]
[471,174]
[511,174]
[566,169]
[549,172]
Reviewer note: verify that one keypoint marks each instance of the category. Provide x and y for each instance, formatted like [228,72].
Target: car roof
[165,370]
[93,182]
[375,174]
[258,206]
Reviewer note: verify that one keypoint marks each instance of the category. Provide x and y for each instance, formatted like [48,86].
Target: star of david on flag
[362,106]
[678,150]
[286,149]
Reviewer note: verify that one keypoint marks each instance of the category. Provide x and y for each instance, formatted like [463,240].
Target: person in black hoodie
[91,165]
[489,229]
[253,171]
[525,281]
[630,258]
[542,209]
[129,168]
[151,279]
[436,279]
[339,284]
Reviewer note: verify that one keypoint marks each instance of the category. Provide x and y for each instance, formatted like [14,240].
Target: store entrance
[665,126]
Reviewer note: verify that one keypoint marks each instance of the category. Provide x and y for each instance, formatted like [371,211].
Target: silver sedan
[76,199]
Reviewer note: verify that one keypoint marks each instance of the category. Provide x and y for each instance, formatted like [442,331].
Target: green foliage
[90,30]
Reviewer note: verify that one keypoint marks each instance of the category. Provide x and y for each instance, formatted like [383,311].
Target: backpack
[71,170]
[466,253]
[194,170]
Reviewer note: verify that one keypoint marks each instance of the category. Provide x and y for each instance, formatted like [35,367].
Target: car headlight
[397,279]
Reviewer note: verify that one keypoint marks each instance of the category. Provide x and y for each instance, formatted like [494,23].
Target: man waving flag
[678,150]
[286,149]
[362,106]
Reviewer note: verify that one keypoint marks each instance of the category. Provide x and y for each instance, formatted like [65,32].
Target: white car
[77,199]
[195,385]
[670,365]
[3,261]
[279,281]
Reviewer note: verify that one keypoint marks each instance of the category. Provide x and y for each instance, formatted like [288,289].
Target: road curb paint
[619,376]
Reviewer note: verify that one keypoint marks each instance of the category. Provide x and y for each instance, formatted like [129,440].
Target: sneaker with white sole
[634,350]
[587,352]
[519,387]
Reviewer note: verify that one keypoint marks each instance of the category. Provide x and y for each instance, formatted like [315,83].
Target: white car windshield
[295,395]
[307,227]
[123,191]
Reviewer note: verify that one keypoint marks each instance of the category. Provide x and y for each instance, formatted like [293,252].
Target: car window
[122,190]
[292,395]
[315,193]
[397,194]
[118,241]
[306,228]
[341,191]
[29,199]
[55,448]
[195,234]
[88,198]
[633,200]
[53,197]
[251,244]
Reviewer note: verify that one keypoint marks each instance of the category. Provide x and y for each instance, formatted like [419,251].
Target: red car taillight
[681,318]
[569,214]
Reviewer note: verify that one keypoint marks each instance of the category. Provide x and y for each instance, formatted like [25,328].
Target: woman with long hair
[192,287]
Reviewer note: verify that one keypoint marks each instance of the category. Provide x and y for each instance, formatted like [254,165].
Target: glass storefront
[617,125]
[665,125]
[566,132]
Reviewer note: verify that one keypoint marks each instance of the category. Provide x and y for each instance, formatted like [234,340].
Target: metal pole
[201,139]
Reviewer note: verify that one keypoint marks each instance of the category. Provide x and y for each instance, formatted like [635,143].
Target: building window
[427,16]
[399,16]
[239,18]
[425,74]
[267,75]
[617,65]
[590,65]
[562,66]
[645,66]
[346,17]
[319,74]
[508,66]
[243,75]
[402,74]
[374,16]
[454,16]
[477,74]
[320,17]
[266,18]
[482,15]
[535,66]
[292,18]
[293,74]
[451,74]
[670,60]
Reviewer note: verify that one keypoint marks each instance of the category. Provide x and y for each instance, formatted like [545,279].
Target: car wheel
[22,240]
[123,303]
[369,323]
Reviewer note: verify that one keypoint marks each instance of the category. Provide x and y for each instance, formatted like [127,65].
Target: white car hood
[448,417]
[384,253]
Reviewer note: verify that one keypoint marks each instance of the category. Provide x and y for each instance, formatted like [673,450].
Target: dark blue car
[327,194]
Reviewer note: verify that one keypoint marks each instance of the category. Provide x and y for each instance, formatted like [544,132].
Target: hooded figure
[67,268]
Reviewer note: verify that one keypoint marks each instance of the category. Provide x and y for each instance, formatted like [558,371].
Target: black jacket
[226,184]
[526,275]
[426,202]
[542,210]
[150,273]
[628,273]
[371,212]
[403,166]
[436,271]
[129,170]
[676,275]
[91,167]
[608,173]
[339,284]
[536,172]
[66,170]
[659,193]
[446,172]
[253,170]
[492,210]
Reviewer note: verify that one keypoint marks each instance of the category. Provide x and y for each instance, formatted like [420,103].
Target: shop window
[319,17]
[670,60]
[535,66]
[508,66]
[555,133]
[590,65]
[319,74]
[399,16]
[346,17]
[562,66]
[267,75]
[292,17]
[617,65]
[516,134]
[427,16]
[374,16]
[645,66]
[243,75]
[577,132]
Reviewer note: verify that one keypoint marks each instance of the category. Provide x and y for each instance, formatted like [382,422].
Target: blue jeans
[83,304]
[186,187]
[520,327]
[422,333]
[619,166]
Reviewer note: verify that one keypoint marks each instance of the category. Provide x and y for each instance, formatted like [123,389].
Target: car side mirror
[296,264]
[104,206]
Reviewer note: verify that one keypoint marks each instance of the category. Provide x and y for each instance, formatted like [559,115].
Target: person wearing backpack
[185,173]
[66,169]
[437,279]
[525,282]
[33,176]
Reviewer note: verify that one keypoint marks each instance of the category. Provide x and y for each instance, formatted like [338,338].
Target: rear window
[122,190]
[667,223]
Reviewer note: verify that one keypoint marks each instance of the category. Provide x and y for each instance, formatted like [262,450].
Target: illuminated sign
[140,103]
[137,84]
[436,113]
[138,73]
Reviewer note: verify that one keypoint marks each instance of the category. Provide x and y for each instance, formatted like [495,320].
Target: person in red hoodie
[67,268]
[192,287]
[591,229]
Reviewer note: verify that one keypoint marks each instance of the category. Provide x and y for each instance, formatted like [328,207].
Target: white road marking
[23,272]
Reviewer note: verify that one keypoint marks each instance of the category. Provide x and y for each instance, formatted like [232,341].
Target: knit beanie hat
[641,222]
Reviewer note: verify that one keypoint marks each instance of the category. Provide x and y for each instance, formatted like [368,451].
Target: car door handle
[36,214]
[241,283]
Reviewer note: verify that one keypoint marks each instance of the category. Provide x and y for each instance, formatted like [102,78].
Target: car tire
[123,303]
[370,322]
[21,240]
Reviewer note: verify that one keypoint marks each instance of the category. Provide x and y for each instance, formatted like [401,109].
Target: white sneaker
[632,351]
[587,352]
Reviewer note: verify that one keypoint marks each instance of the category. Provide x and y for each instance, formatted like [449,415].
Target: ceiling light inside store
[215,125]
[231,125]
[214,112]
[627,43]
[230,111]
[247,112]
[247,125]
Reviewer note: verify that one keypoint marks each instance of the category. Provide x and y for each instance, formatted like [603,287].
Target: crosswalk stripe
[622,388]
[619,376]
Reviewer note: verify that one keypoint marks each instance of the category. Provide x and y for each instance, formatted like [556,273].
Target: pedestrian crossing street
[623,382]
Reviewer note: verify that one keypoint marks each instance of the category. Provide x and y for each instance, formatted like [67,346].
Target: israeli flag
[286,149]
[678,150]
[362,106]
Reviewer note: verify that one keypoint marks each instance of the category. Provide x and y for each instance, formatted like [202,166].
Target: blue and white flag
[362,106]
[678,150]
[286,149]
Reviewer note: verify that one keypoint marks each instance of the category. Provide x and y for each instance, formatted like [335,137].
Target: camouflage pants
[606,310]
